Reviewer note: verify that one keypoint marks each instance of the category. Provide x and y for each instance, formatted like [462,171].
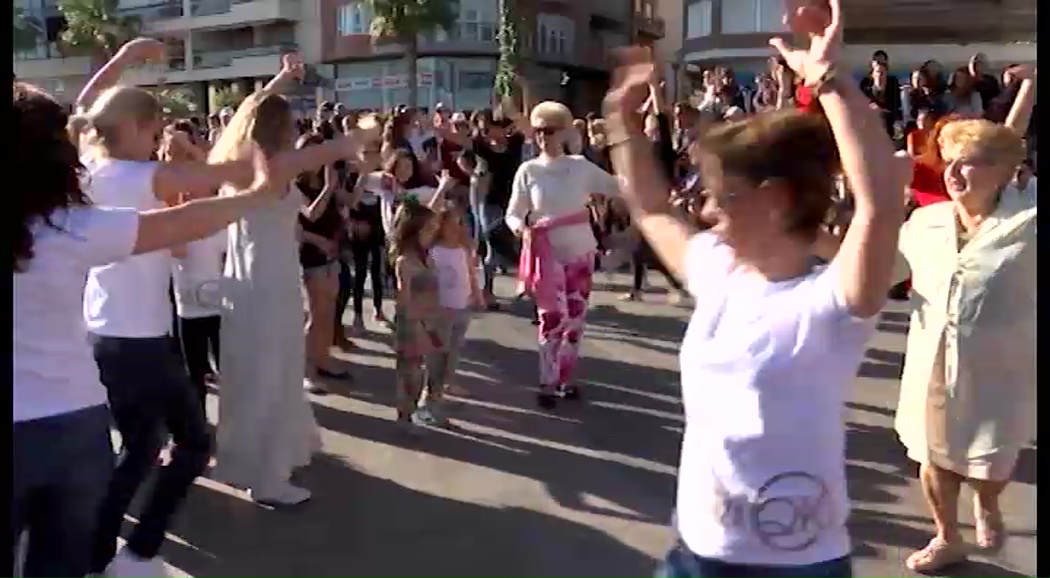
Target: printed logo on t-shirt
[787,513]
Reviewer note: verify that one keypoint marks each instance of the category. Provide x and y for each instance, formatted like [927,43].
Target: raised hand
[144,51]
[632,80]
[292,67]
[821,22]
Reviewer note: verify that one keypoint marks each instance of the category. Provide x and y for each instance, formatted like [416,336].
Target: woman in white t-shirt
[774,342]
[549,208]
[62,457]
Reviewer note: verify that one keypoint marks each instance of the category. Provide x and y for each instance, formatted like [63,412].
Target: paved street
[585,491]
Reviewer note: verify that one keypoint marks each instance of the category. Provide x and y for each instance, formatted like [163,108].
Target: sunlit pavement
[585,490]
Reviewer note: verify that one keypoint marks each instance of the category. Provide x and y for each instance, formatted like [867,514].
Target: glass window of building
[354,18]
[698,19]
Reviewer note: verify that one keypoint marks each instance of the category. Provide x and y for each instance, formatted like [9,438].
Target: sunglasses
[547,130]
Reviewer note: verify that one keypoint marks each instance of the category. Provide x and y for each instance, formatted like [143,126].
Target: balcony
[252,62]
[652,27]
[221,14]
[53,67]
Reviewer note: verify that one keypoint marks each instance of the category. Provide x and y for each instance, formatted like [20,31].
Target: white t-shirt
[555,187]
[765,367]
[374,188]
[453,275]
[129,298]
[54,369]
[197,277]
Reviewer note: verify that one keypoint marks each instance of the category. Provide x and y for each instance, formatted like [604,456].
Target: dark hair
[307,140]
[961,83]
[793,147]
[185,126]
[391,162]
[45,151]
[880,54]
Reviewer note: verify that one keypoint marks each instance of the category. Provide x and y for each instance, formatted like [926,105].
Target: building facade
[736,32]
[566,44]
[214,44]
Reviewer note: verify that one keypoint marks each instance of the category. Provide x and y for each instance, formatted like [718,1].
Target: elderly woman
[968,389]
[548,208]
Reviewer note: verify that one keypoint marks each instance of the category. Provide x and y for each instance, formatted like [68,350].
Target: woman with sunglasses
[549,209]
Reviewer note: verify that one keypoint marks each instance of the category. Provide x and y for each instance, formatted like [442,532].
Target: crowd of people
[157,258]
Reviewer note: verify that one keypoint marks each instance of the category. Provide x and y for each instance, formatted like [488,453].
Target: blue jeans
[60,468]
[681,563]
[151,396]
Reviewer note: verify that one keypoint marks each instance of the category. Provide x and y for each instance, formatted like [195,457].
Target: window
[751,16]
[476,26]
[354,18]
[698,19]
[554,34]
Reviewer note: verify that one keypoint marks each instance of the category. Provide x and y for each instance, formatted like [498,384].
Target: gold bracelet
[618,130]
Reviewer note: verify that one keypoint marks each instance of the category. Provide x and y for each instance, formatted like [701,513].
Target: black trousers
[200,342]
[150,396]
[643,259]
[369,261]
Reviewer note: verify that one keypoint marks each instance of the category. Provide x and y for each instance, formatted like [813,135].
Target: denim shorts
[330,268]
[681,563]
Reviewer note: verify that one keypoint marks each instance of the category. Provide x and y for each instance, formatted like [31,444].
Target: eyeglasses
[547,130]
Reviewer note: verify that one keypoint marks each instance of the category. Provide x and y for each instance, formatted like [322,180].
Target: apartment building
[213,44]
[736,32]
[566,43]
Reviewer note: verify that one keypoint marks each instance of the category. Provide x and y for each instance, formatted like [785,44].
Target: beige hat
[458,117]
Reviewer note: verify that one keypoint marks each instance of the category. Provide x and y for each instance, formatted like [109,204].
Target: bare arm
[194,220]
[1021,111]
[137,51]
[313,210]
[875,176]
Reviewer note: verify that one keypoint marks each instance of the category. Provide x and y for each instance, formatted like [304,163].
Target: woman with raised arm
[775,341]
[549,208]
[61,453]
[968,390]
[266,426]
[128,310]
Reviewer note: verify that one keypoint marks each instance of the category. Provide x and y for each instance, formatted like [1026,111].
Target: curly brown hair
[45,151]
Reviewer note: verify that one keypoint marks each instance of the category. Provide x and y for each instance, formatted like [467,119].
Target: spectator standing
[883,91]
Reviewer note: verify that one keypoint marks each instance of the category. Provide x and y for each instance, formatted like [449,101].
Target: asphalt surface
[586,490]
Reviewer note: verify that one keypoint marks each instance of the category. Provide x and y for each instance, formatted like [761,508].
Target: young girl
[455,262]
[417,306]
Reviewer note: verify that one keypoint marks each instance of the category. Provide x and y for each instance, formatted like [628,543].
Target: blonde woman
[127,311]
[549,209]
[969,386]
[266,426]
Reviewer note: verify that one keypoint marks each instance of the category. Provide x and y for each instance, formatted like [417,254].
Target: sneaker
[570,392]
[632,296]
[427,417]
[283,494]
[127,565]
[314,387]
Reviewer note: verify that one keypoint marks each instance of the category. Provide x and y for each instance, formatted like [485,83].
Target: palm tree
[95,28]
[404,21]
[24,32]
[176,102]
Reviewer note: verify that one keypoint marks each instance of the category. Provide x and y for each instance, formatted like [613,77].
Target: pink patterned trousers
[561,329]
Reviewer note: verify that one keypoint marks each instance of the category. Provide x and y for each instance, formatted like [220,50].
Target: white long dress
[266,424]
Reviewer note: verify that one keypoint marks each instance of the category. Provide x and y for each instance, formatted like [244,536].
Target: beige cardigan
[967,399]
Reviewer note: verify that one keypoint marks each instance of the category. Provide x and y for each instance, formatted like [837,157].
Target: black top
[888,99]
[328,225]
[502,165]
[988,87]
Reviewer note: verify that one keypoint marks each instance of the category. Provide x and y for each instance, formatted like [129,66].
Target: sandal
[991,533]
[936,555]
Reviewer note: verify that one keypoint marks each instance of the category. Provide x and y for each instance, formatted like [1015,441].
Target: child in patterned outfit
[414,229]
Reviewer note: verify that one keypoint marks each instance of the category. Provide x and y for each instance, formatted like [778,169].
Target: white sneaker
[127,565]
[314,387]
[284,494]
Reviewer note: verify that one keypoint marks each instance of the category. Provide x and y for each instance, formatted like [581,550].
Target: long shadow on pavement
[360,525]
